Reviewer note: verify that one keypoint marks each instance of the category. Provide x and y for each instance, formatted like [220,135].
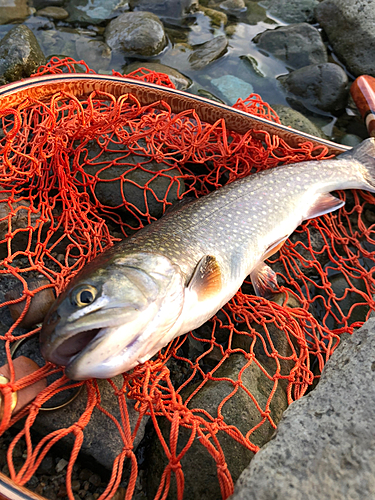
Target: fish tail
[364,154]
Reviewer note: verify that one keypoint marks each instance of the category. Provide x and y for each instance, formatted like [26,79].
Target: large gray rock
[239,411]
[136,33]
[325,443]
[349,25]
[20,54]
[292,118]
[94,11]
[207,52]
[322,86]
[291,11]
[297,45]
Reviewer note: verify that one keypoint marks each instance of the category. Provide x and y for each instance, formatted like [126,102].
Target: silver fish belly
[176,273]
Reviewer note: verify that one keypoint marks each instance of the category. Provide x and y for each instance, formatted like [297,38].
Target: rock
[38,306]
[297,45]
[217,18]
[180,81]
[96,54]
[102,441]
[232,88]
[324,446]
[94,11]
[20,54]
[351,140]
[349,25]
[198,466]
[322,86]
[292,118]
[233,6]
[207,52]
[291,11]
[167,8]
[111,193]
[14,10]
[136,33]
[57,13]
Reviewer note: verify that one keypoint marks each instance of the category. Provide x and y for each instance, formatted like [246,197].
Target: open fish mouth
[73,346]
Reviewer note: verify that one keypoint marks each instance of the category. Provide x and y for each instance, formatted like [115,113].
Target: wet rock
[292,118]
[217,18]
[322,86]
[112,194]
[199,468]
[351,140]
[136,33]
[15,10]
[38,306]
[64,42]
[167,8]
[94,11]
[324,446]
[95,53]
[233,6]
[20,54]
[349,25]
[232,88]
[291,11]
[57,13]
[207,52]
[180,81]
[297,45]
[102,441]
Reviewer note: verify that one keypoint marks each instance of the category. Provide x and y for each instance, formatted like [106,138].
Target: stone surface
[111,193]
[292,118]
[207,52]
[20,54]
[165,8]
[232,88]
[217,18]
[180,81]
[136,33]
[57,13]
[291,11]
[199,468]
[297,45]
[94,11]
[13,10]
[324,445]
[322,86]
[349,25]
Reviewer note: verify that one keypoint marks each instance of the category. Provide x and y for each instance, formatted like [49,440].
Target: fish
[177,272]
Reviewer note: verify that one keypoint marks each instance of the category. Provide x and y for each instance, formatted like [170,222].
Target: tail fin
[364,153]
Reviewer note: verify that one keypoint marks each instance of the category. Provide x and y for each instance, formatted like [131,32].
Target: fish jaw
[101,339]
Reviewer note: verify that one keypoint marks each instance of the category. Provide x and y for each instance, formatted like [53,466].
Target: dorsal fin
[206,280]
[324,204]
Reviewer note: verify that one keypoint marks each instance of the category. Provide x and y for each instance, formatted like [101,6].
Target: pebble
[61,464]
[57,13]
[95,479]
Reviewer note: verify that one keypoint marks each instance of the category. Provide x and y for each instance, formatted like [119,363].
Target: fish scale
[173,275]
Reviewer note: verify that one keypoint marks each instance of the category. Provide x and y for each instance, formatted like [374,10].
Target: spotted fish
[176,273]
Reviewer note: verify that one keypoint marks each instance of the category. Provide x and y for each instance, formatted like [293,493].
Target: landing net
[77,176]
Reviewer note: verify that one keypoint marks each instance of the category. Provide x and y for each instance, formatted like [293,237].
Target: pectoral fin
[206,280]
[324,204]
[264,280]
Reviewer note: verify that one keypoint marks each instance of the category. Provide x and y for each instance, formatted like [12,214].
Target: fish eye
[83,295]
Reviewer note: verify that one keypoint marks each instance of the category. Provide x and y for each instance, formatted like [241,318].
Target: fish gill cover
[77,176]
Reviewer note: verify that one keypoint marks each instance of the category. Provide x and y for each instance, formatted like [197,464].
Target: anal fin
[206,280]
[264,280]
[324,204]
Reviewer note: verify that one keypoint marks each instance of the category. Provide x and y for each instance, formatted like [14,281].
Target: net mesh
[77,176]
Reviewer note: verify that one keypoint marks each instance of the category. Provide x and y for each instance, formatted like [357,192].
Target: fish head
[113,316]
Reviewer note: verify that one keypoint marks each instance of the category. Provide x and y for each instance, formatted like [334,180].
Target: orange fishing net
[76,176]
